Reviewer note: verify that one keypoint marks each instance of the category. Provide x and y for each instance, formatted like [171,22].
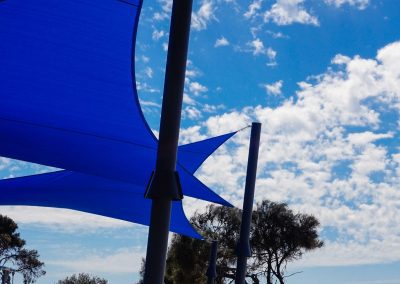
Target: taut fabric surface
[68,99]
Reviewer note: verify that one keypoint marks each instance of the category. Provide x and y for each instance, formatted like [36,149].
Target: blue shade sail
[113,198]
[68,65]
[192,155]
[67,92]
[68,99]
[96,195]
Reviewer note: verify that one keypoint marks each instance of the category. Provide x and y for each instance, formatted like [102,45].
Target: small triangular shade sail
[65,189]
[68,99]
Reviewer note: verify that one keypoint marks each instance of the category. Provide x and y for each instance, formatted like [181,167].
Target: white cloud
[4,162]
[324,152]
[257,48]
[366,137]
[370,159]
[165,46]
[145,87]
[122,261]
[212,108]
[340,59]
[222,41]
[277,34]
[360,4]
[166,7]
[191,112]
[188,100]
[61,219]
[274,88]
[190,135]
[287,12]
[157,34]
[254,7]
[203,16]
[191,73]
[10,168]
[271,54]
[145,59]
[220,124]
[196,88]
[191,70]
[149,72]
[149,104]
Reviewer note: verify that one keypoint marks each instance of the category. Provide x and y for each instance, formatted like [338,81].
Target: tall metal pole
[164,185]
[243,247]
[212,264]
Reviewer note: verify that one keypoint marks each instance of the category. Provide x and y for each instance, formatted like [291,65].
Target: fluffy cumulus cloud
[286,12]
[328,151]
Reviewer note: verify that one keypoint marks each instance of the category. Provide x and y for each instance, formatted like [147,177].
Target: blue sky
[324,79]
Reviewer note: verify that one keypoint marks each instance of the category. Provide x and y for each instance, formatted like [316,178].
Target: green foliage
[278,236]
[185,261]
[9,237]
[13,254]
[82,278]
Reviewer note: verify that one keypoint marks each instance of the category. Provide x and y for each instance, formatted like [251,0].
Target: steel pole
[164,185]
[212,263]
[243,249]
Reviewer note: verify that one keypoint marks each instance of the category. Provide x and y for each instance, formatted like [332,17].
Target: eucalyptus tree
[278,237]
[14,257]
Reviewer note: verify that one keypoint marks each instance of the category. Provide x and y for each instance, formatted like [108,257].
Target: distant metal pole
[164,185]
[243,249]
[212,264]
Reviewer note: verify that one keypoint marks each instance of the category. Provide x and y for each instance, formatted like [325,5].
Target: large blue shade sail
[67,65]
[68,99]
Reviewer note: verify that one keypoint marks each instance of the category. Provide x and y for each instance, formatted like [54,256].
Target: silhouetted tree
[141,272]
[278,236]
[82,278]
[13,254]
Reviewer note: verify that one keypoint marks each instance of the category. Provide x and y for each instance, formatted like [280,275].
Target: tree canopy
[15,256]
[82,278]
[278,236]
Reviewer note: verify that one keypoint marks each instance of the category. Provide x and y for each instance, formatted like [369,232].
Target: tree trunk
[279,274]
[269,269]
[255,279]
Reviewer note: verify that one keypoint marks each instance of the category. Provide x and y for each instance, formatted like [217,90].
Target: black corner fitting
[164,184]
